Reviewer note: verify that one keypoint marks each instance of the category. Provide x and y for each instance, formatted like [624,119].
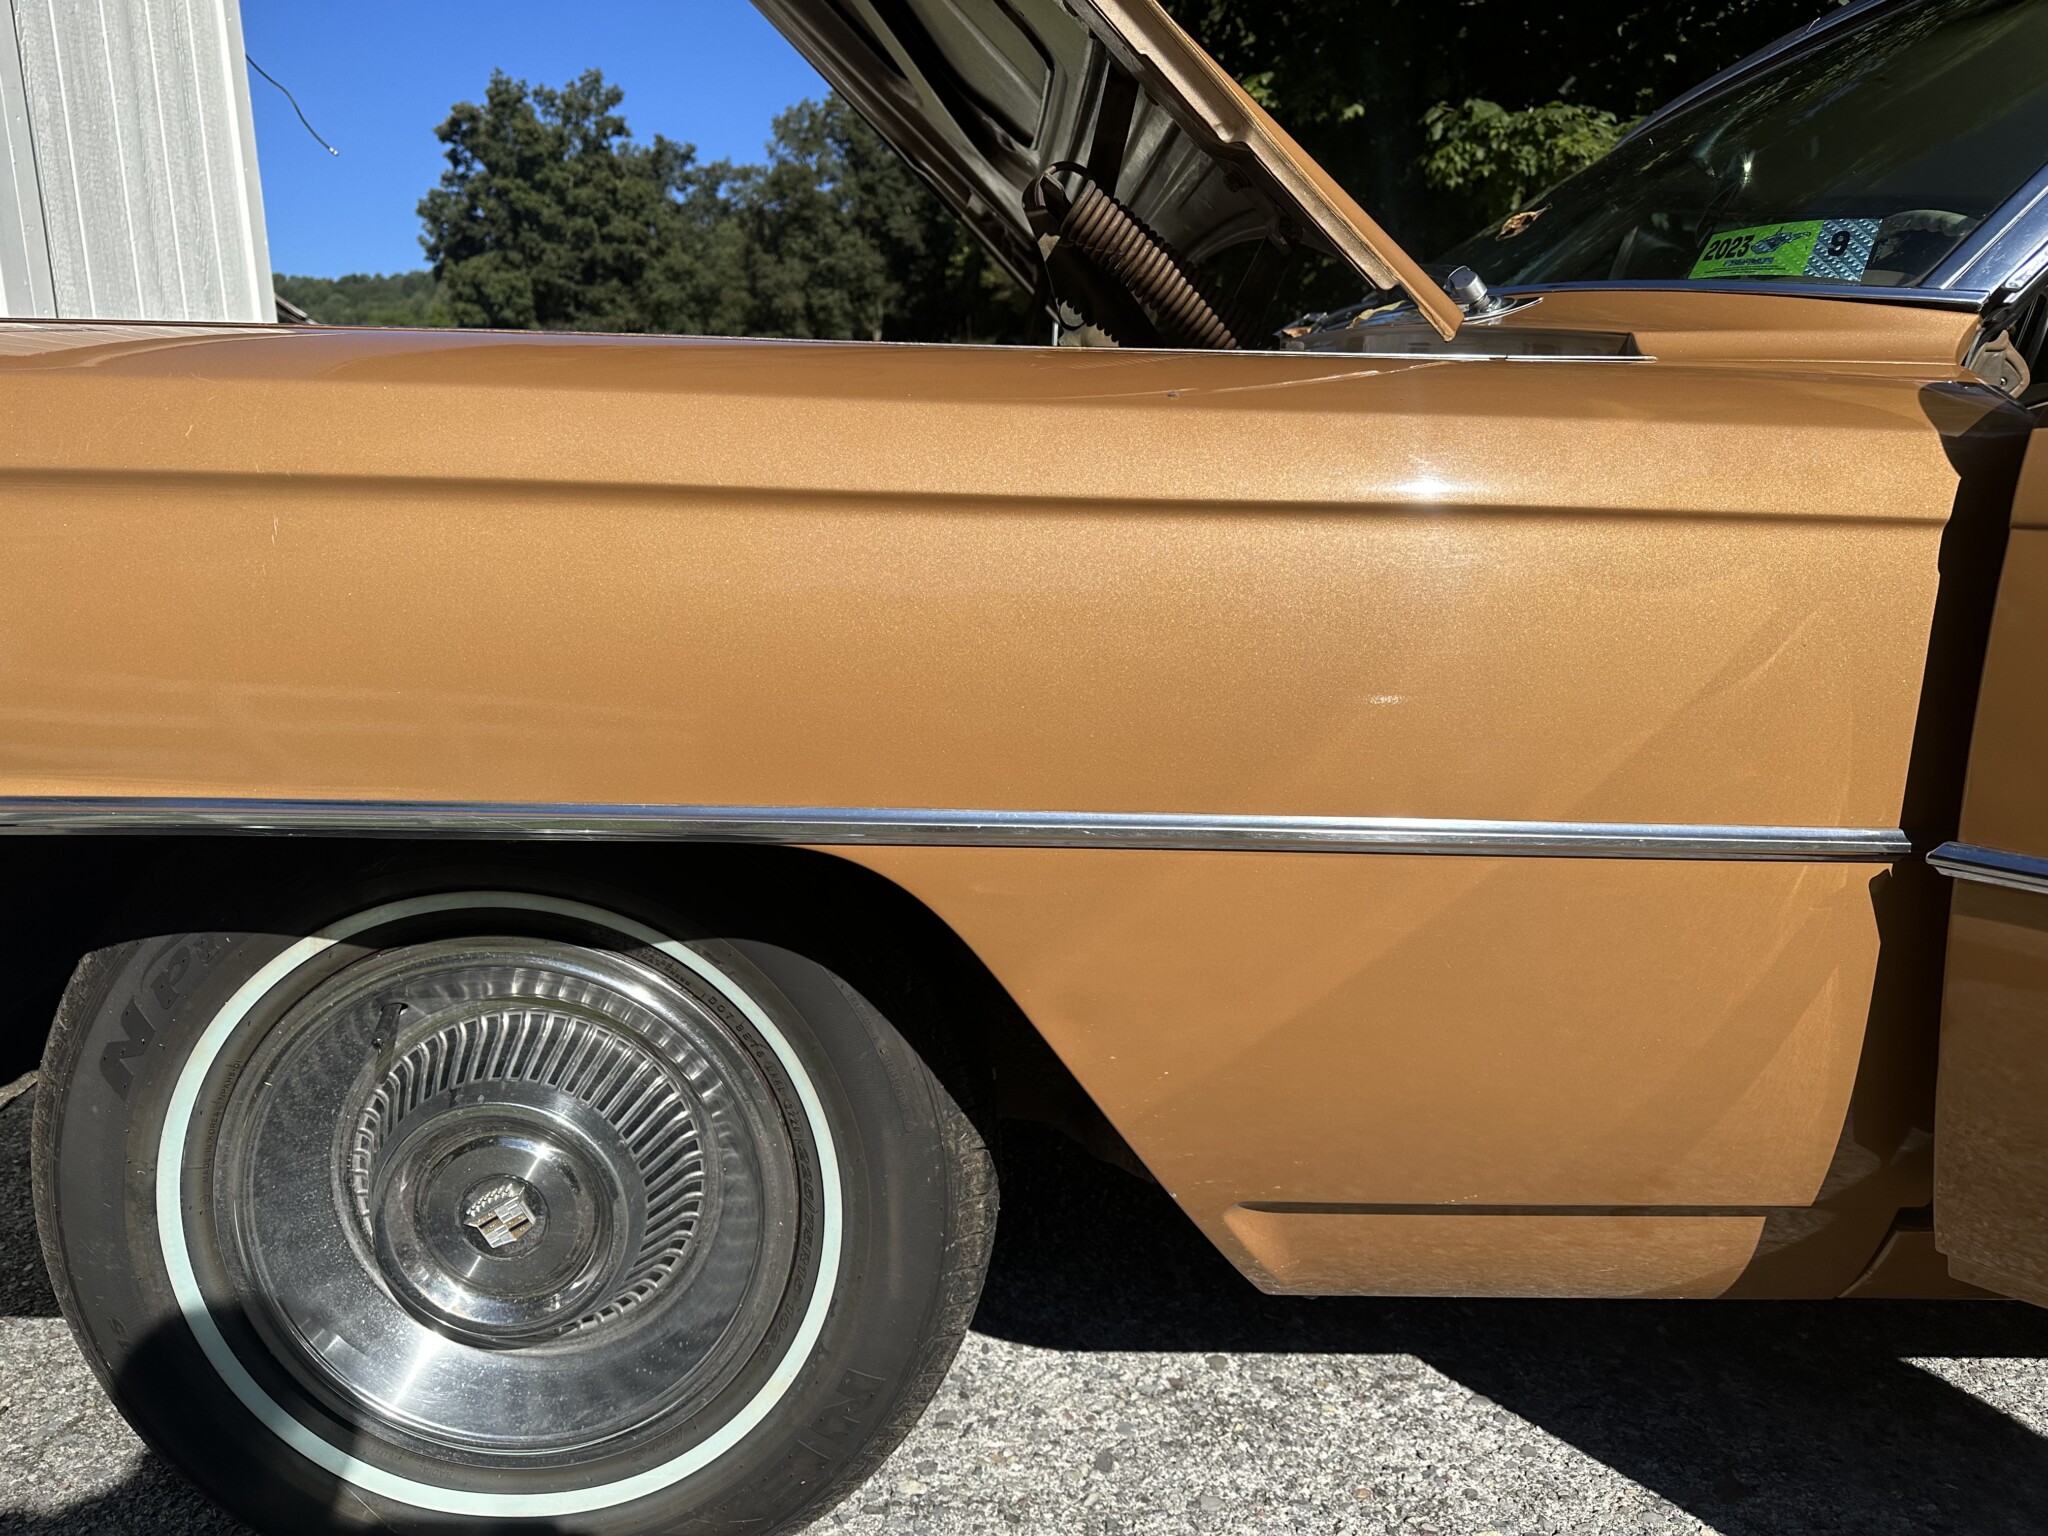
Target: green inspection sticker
[1826,248]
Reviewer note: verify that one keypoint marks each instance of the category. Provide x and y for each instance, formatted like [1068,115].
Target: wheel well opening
[73,894]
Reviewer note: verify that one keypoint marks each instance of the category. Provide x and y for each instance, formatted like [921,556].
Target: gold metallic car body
[1991,1210]
[1246,643]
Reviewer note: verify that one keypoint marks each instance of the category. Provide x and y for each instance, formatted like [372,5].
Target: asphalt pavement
[1123,1381]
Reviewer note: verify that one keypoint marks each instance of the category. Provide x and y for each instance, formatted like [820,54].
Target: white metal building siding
[130,189]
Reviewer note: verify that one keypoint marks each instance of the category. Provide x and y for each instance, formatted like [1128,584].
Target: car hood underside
[1094,147]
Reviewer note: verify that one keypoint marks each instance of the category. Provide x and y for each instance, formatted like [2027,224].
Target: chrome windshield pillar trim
[2005,249]
[1991,866]
[829,825]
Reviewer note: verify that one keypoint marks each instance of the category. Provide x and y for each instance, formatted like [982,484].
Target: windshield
[1865,160]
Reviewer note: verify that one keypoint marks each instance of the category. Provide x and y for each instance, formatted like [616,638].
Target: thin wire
[288,96]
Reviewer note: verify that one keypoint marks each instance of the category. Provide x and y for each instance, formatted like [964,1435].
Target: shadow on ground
[153,1500]
[1759,1418]
[24,1287]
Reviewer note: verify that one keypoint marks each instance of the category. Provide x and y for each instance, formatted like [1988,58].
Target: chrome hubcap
[508,1196]
[483,1127]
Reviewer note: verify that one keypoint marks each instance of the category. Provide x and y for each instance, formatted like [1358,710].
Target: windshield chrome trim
[1925,297]
[2006,250]
[1991,866]
[847,825]
[1962,301]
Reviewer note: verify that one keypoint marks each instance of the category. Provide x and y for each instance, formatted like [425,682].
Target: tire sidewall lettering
[180,967]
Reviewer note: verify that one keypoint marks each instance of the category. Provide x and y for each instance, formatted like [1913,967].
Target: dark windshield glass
[1866,160]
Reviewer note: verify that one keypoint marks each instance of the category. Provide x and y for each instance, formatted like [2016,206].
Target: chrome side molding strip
[1989,866]
[948,828]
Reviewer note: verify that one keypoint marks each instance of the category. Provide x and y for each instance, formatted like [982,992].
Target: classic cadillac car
[1462,790]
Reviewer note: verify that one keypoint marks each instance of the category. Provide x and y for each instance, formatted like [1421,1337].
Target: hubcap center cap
[502,1214]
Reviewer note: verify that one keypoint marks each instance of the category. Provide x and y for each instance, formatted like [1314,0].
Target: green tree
[550,216]
[362,298]
[808,228]
[842,239]
[1440,117]
[1489,161]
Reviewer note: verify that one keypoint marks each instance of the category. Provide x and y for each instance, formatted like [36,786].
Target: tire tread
[972,1199]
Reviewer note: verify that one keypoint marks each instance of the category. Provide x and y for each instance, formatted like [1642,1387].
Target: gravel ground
[1122,1381]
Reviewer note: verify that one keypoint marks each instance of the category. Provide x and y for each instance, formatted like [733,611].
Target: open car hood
[1015,109]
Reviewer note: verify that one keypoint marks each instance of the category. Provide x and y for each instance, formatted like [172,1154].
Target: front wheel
[446,1208]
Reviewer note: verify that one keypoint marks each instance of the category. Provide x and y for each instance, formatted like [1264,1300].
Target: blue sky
[377,76]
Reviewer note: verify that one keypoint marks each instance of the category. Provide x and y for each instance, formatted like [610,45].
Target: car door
[1991,1144]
